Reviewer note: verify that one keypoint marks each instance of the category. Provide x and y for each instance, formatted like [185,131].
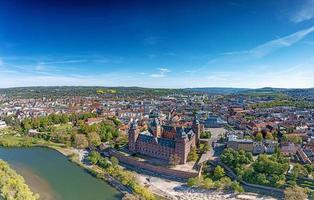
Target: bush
[193,182]
[192,155]
[94,157]
[205,135]
[235,186]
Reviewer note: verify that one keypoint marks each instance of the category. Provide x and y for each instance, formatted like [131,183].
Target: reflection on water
[37,183]
[53,177]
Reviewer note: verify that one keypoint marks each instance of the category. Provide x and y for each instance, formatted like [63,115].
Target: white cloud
[157,75]
[305,12]
[162,73]
[164,70]
[272,45]
[64,61]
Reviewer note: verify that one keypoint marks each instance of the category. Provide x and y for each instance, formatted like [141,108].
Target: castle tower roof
[155,122]
[133,124]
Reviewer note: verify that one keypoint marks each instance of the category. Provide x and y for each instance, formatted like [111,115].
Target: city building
[270,146]
[214,122]
[258,148]
[2,124]
[288,149]
[238,144]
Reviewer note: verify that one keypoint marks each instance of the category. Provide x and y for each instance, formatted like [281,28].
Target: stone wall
[162,171]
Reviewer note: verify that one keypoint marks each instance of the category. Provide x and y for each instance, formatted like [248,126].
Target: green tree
[192,156]
[93,139]
[80,141]
[298,171]
[13,185]
[219,172]
[235,186]
[236,159]
[208,183]
[269,136]
[205,135]
[193,182]
[114,161]
[259,137]
[94,157]
[26,125]
[295,193]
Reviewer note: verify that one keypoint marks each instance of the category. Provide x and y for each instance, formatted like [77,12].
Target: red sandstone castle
[164,141]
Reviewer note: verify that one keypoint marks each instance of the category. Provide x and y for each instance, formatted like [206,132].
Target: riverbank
[160,187]
[180,191]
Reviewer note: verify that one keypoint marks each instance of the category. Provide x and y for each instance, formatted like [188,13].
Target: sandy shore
[179,191]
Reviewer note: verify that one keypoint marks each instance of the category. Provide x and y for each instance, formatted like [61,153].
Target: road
[213,152]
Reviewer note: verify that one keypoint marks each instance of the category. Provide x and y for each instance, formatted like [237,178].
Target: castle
[164,141]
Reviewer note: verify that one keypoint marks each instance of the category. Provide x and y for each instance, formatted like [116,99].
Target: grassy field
[23,141]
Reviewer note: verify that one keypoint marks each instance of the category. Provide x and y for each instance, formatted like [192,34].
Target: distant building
[163,141]
[267,146]
[32,132]
[258,148]
[238,144]
[301,155]
[214,122]
[2,124]
[288,149]
[270,146]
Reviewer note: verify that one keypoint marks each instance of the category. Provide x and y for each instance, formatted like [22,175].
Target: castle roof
[184,132]
[149,138]
[133,124]
[195,121]
[168,128]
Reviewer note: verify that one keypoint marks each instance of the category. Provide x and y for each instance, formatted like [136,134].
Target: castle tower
[196,127]
[155,128]
[181,148]
[133,134]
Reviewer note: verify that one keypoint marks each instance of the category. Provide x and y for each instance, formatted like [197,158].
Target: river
[54,177]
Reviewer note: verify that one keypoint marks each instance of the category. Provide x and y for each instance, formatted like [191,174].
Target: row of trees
[45,122]
[215,180]
[290,103]
[125,177]
[13,186]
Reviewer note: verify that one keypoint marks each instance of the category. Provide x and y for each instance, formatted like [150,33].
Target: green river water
[54,177]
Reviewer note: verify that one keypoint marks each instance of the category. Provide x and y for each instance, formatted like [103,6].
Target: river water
[54,177]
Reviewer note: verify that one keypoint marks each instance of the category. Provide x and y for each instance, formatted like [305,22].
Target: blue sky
[169,44]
